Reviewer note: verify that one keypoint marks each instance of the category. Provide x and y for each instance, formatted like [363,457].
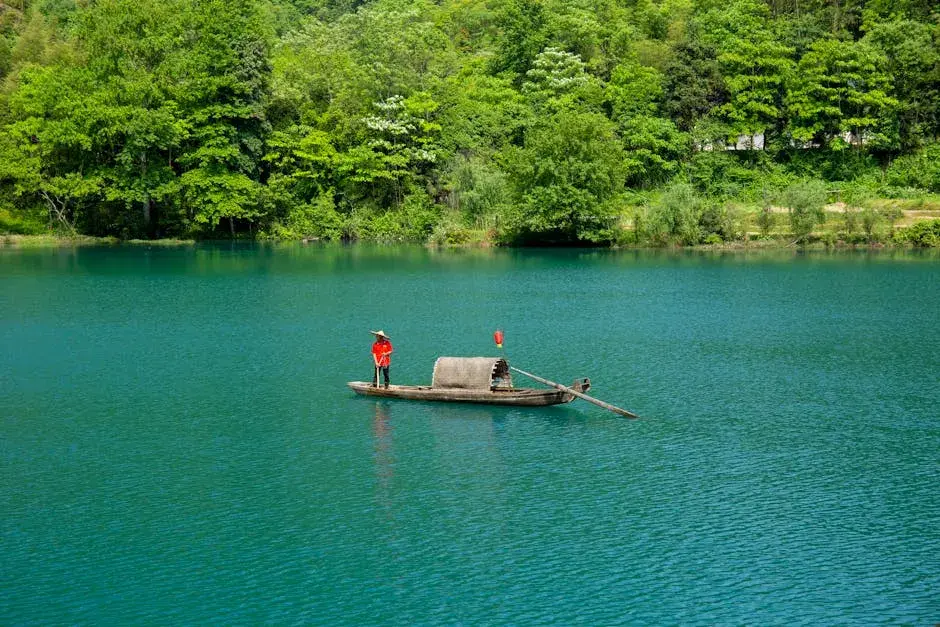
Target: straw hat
[380,333]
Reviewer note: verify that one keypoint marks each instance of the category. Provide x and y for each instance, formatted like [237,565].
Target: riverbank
[756,243]
[843,228]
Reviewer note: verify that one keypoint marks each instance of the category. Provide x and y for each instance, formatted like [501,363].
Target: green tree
[301,162]
[912,51]
[137,122]
[839,94]
[634,90]
[314,77]
[870,219]
[482,113]
[694,84]
[38,41]
[524,35]
[129,46]
[890,10]
[397,49]
[766,220]
[653,146]
[220,85]
[369,86]
[755,67]
[45,146]
[566,178]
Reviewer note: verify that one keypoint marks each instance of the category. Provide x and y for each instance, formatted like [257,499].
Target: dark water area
[178,446]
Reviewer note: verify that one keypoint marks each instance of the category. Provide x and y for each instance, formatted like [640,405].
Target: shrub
[719,220]
[891,213]
[451,231]
[419,216]
[850,220]
[713,239]
[721,173]
[806,201]
[920,170]
[317,219]
[766,220]
[855,197]
[870,220]
[18,222]
[924,234]
[675,216]
[830,165]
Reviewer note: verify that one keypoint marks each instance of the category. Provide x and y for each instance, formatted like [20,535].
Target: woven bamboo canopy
[471,373]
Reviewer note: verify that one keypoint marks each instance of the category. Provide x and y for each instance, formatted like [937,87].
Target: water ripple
[163,463]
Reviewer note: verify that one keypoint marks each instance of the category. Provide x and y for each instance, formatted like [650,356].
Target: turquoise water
[177,444]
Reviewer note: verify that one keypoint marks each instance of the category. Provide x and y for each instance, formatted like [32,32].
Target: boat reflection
[497,417]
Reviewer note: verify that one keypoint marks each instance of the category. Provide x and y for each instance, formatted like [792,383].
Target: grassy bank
[54,241]
[736,224]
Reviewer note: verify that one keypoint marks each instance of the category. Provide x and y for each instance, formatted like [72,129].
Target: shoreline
[31,242]
[830,234]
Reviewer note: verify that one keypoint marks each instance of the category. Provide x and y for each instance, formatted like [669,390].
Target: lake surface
[177,444]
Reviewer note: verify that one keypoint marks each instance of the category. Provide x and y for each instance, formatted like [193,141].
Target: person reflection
[383,455]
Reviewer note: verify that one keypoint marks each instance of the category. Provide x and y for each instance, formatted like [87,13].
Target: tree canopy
[388,118]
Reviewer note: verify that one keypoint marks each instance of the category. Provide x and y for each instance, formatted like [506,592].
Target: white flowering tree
[398,147]
[555,74]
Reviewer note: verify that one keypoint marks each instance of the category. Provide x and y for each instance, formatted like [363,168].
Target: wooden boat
[472,380]
[520,396]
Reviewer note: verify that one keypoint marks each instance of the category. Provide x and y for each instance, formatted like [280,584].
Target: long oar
[590,399]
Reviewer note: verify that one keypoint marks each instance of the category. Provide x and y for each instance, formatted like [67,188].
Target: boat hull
[526,397]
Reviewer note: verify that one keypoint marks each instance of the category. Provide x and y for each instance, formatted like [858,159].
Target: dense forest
[518,121]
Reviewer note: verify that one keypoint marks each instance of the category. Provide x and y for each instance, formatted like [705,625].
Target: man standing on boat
[381,355]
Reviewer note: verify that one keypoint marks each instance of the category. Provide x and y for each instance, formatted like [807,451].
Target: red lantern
[498,338]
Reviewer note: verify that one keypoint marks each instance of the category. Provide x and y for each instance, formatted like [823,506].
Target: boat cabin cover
[471,373]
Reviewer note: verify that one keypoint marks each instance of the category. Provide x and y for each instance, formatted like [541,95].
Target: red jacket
[382,352]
